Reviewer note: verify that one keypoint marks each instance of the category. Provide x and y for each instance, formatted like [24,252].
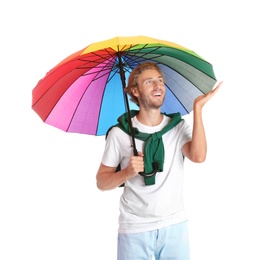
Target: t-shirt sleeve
[111,156]
[186,133]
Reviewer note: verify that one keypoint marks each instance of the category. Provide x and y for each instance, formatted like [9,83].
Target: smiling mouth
[157,94]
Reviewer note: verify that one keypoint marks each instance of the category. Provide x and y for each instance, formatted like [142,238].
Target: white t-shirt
[144,208]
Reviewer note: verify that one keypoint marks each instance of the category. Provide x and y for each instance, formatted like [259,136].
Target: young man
[152,219]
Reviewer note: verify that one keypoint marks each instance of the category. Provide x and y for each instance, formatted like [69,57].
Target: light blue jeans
[170,242]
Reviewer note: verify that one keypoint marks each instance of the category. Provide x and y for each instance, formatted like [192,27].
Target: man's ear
[134,92]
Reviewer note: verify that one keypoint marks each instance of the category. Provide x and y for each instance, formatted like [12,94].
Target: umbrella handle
[154,171]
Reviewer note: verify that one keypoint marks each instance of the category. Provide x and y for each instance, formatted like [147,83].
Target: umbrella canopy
[84,92]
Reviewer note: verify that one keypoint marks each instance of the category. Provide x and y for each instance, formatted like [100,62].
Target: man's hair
[132,80]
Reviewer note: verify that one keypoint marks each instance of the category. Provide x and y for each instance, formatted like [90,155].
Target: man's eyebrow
[153,77]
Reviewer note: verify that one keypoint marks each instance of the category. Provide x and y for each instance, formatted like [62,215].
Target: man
[152,219]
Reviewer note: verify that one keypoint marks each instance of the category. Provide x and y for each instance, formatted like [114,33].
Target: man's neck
[150,117]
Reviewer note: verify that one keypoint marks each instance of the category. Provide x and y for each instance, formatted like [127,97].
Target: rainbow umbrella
[84,92]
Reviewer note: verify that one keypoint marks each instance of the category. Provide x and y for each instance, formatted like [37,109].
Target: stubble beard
[147,103]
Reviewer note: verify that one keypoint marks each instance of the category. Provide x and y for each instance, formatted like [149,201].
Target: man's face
[151,89]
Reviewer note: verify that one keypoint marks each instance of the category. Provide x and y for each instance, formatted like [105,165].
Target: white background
[50,207]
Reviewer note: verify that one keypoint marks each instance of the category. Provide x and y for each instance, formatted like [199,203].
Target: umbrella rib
[104,57]
[178,98]
[135,59]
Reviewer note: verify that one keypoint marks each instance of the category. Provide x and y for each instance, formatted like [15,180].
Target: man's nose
[156,83]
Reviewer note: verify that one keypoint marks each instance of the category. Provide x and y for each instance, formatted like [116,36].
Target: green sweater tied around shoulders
[154,148]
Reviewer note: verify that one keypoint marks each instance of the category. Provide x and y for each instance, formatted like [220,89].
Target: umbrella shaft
[123,79]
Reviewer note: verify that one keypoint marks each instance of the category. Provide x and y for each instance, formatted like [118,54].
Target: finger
[214,90]
[217,86]
[140,154]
